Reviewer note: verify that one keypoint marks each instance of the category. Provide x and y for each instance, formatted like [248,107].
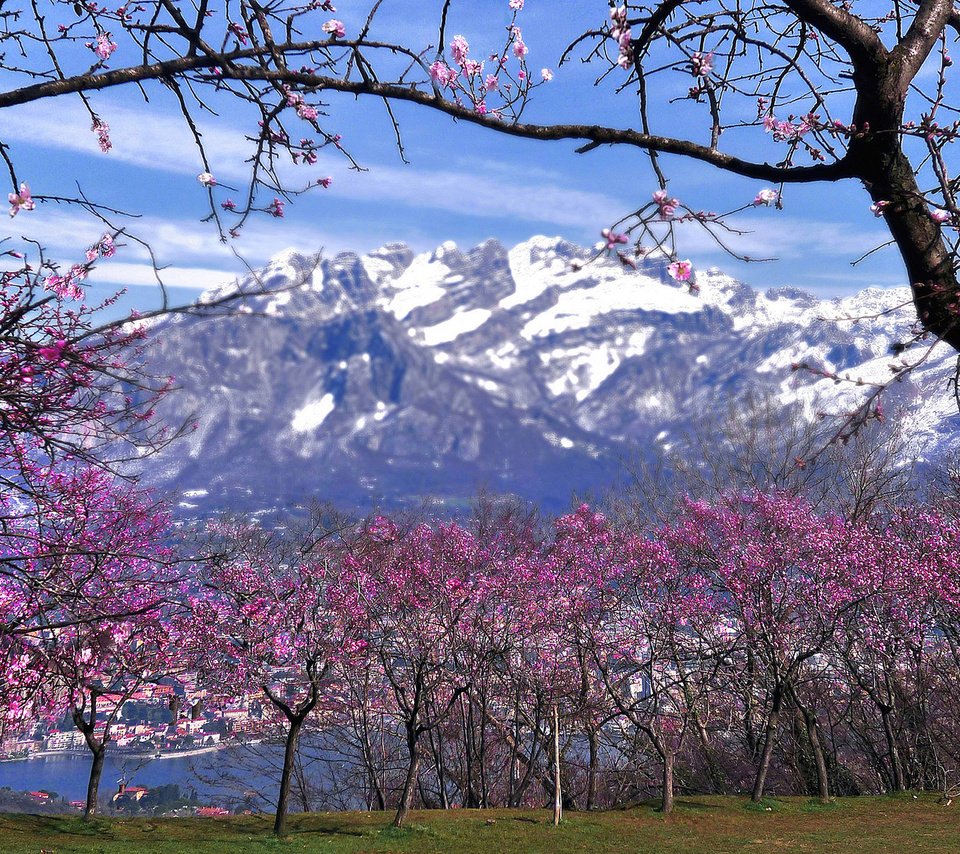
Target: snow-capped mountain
[532,370]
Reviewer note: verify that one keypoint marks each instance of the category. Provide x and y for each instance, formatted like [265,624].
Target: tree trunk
[289,757]
[593,741]
[820,761]
[888,175]
[666,800]
[717,779]
[769,738]
[557,793]
[406,796]
[93,784]
[895,767]
[376,790]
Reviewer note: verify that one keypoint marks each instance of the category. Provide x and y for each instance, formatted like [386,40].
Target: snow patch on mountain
[580,307]
[535,267]
[455,326]
[419,285]
[310,416]
[586,369]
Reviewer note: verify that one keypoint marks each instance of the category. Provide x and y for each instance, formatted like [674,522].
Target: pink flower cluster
[103,47]
[104,248]
[620,30]
[766,197]
[613,238]
[67,286]
[21,200]
[335,28]
[786,131]
[666,205]
[102,130]
[701,65]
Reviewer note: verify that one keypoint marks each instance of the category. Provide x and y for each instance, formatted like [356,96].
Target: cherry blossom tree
[83,552]
[417,588]
[101,667]
[783,578]
[273,619]
[663,651]
[574,576]
[880,635]
[76,406]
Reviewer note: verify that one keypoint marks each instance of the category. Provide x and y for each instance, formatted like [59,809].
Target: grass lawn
[902,825]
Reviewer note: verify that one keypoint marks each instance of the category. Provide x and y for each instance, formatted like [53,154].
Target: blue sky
[463,183]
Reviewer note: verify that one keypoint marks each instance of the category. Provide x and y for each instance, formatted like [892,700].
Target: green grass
[903,825]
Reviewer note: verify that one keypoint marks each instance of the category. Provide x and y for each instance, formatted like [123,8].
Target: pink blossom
[878,207]
[785,131]
[21,201]
[492,83]
[519,48]
[680,270]
[206,179]
[102,130]
[67,287]
[666,204]
[103,48]
[940,216]
[701,64]
[324,182]
[459,48]
[766,197]
[620,30]
[516,5]
[276,208]
[472,68]
[335,28]
[443,73]
[239,32]
[53,352]
[307,112]
[546,75]
[613,238]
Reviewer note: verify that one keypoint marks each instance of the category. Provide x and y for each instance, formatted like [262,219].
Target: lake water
[67,774]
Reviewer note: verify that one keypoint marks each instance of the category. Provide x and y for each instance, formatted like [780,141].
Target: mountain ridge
[532,370]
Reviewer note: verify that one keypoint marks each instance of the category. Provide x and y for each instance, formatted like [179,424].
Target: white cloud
[146,138]
[783,238]
[132,275]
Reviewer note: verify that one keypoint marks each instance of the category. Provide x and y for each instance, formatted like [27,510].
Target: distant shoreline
[145,754]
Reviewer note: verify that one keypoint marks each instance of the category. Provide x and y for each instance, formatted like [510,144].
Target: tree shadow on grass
[58,825]
[335,830]
[697,806]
